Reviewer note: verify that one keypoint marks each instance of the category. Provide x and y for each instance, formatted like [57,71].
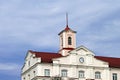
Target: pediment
[82,50]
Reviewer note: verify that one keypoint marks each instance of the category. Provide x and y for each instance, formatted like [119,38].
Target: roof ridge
[41,52]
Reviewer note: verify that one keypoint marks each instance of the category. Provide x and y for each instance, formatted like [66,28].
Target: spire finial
[66,19]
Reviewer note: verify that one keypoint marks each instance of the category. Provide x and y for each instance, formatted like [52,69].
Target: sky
[35,24]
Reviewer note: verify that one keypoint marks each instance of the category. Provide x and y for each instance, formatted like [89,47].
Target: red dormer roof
[113,62]
[67,29]
[46,57]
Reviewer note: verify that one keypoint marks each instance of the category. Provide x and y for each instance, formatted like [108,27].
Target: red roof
[67,29]
[113,62]
[46,57]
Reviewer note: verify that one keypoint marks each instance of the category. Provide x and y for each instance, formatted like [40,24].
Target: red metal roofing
[113,62]
[46,57]
[67,29]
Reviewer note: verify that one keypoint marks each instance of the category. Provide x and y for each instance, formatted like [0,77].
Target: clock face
[81,59]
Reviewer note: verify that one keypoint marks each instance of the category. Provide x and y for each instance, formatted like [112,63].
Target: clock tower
[67,40]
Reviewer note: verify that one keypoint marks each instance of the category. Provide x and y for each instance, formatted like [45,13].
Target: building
[70,63]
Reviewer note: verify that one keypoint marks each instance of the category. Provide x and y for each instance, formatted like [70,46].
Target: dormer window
[69,41]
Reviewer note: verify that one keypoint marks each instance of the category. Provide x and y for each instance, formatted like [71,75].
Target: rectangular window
[97,75]
[28,63]
[114,75]
[47,72]
[81,74]
[64,73]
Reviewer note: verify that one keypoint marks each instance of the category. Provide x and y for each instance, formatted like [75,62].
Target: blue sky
[35,24]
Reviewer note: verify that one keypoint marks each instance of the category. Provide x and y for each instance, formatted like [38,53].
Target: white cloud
[35,24]
[10,68]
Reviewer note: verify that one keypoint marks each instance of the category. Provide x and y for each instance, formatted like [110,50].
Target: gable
[82,51]
[29,55]
[27,62]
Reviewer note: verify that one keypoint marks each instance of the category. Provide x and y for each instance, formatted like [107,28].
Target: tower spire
[67,39]
[66,19]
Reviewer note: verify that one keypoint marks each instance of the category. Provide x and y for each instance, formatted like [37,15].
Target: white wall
[115,70]
[30,66]
[72,64]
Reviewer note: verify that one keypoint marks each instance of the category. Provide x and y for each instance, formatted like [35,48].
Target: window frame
[64,73]
[97,75]
[46,72]
[61,41]
[28,63]
[114,76]
[69,40]
[81,74]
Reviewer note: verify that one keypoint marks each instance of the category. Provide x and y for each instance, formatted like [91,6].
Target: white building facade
[70,63]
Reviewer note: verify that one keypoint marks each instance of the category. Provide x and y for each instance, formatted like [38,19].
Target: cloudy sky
[35,24]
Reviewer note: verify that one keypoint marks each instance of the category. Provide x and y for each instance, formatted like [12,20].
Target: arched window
[97,75]
[81,74]
[69,41]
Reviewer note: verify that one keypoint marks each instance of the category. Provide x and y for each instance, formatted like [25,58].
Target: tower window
[61,41]
[69,41]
